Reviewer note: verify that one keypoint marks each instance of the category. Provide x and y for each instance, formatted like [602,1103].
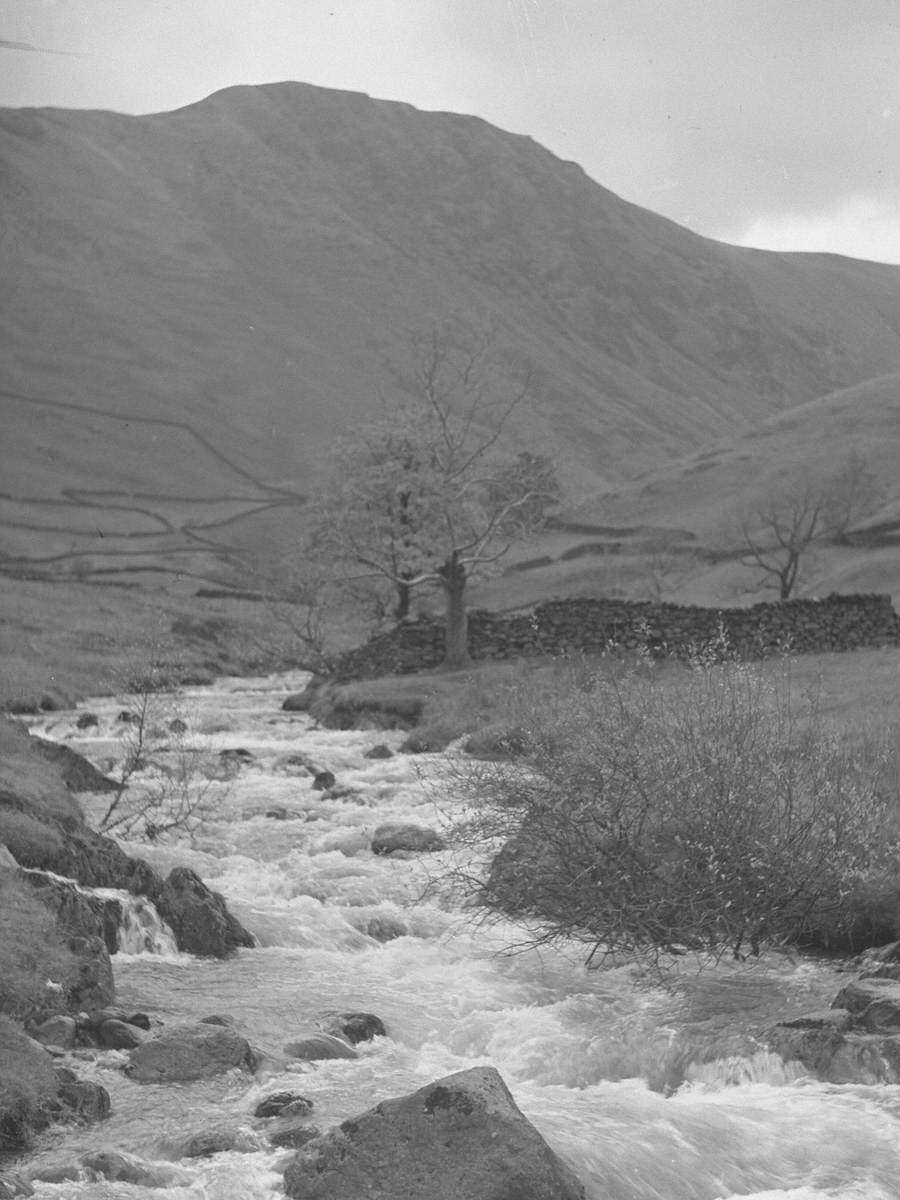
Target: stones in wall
[590,625]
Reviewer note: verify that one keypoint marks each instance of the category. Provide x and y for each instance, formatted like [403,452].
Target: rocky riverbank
[322,842]
[57,939]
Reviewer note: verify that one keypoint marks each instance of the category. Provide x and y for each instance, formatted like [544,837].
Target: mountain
[198,302]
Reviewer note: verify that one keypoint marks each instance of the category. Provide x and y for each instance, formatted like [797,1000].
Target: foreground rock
[460,1138]
[187,1052]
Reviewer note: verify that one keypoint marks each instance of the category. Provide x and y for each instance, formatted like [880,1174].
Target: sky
[770,123]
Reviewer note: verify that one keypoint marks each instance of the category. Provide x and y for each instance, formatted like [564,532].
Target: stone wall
[592,625]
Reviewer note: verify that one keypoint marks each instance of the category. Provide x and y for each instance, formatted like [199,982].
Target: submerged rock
[85,1100]
[128,1168]
[120,1035]
[319,1046]
[391,839]
[385,929]
[282,1104]
[857,1040]
[355,1027]
[379,751]
[12,1186]
[460,1137]
[208,1142]
[291,1135]
[186,1052]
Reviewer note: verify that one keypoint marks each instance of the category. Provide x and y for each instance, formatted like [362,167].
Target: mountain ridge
[252,264]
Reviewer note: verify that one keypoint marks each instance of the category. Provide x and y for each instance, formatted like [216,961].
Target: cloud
[5,44]
[863,226]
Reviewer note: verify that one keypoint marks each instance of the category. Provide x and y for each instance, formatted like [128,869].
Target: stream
[649,1093]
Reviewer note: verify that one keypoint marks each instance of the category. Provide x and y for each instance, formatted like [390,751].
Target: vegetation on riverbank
[656,807]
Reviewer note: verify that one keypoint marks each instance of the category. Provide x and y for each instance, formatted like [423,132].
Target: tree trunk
[404,596]
[456,646]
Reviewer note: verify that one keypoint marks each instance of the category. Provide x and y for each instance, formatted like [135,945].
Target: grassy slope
[68,640]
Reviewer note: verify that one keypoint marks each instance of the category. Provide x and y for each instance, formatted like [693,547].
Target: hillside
[675,530]
[203,299]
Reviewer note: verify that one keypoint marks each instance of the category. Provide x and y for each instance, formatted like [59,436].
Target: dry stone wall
[591,625]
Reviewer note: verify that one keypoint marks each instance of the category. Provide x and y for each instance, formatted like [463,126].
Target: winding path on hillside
[128,549]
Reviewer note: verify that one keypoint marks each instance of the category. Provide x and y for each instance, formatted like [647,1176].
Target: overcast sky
[771,123]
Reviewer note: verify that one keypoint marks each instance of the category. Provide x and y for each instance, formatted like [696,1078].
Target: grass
[33,782]
[27,1084]
[32,952]
[64,640]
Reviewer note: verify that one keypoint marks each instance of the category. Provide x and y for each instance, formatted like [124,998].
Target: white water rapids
[649,1094]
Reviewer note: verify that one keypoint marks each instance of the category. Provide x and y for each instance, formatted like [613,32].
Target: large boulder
[186,1052]
[198,917]
[462,1136]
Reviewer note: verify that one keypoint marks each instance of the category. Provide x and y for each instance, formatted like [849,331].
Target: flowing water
[649,1093]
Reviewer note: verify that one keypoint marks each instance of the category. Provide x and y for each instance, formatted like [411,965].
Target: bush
[162,777]
[669,809]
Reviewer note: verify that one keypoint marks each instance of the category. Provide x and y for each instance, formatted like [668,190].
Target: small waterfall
[128,924]
[141,929]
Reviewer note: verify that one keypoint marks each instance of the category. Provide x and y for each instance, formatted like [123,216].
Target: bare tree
[778,534]
[161,771]
[851,493]
[425,496]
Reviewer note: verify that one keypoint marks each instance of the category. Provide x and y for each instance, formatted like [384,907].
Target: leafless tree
[851,493]
[779,532]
